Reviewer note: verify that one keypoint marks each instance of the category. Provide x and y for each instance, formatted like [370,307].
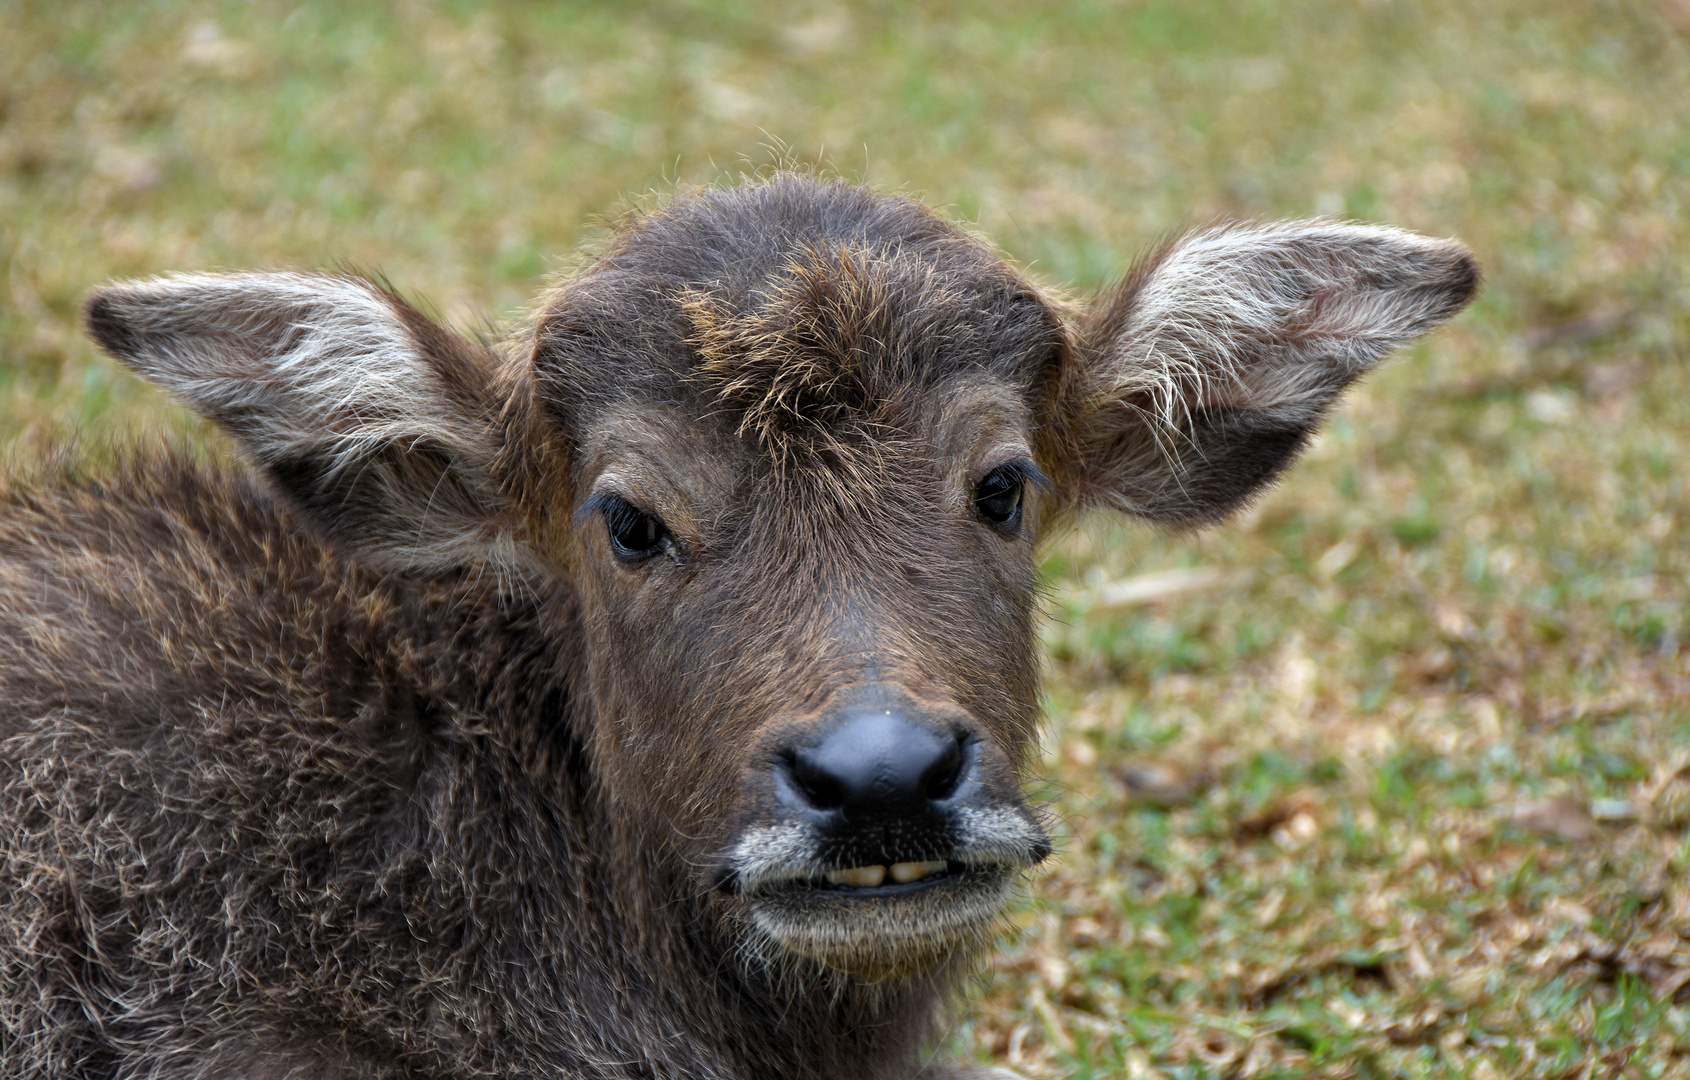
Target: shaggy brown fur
[470,731]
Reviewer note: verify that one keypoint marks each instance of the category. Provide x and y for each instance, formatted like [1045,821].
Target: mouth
[880,921]
[870,881]
[877,881]
[863,921]
[881,900]
[883,882]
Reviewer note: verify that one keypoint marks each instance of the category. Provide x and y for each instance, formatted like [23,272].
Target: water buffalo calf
[645,696]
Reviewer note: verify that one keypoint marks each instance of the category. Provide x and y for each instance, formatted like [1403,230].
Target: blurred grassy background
[1392,777]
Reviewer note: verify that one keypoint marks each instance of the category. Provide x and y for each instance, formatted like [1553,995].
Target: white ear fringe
[1274,319]
[322,369]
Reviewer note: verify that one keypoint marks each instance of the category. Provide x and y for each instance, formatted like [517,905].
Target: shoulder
[161,578]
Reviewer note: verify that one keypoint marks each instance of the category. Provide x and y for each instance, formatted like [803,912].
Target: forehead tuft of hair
[833,347]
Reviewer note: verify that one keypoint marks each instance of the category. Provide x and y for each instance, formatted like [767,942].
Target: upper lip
[798,851]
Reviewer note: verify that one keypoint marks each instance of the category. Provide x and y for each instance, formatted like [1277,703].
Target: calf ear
[1201,378]
[373,422]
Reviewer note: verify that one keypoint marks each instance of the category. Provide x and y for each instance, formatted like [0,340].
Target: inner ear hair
[1198,381]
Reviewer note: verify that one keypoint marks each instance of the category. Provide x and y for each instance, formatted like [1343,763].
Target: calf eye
[998,496]
[634,534]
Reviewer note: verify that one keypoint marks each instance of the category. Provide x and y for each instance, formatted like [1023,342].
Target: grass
[1405,791]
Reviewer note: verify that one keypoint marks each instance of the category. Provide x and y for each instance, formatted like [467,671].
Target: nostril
[820,788]
[939,780]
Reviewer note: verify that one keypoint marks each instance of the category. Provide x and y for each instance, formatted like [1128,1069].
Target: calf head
[792,448]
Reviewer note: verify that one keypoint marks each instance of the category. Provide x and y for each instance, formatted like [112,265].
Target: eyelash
[1001,495]
[635,535]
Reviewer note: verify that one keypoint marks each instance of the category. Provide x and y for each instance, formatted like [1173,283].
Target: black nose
[878,764]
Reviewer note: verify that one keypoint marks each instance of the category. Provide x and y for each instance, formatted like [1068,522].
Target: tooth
[858,877]
[914,871]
